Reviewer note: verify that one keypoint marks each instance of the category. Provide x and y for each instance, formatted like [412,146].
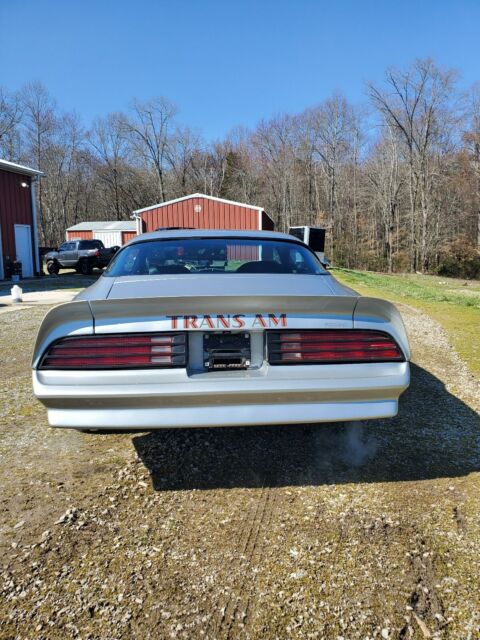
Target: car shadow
[435,435]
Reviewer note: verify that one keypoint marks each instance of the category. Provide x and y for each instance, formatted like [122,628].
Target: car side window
[64,247]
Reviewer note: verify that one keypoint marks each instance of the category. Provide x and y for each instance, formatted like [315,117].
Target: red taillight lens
[119,351]
[324,346]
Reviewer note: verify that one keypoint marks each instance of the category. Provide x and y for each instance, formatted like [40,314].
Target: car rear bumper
[155,399]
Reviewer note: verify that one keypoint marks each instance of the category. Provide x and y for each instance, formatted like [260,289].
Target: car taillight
[117,351]
[325,346]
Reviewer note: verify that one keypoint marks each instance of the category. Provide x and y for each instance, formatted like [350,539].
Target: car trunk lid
[210,302]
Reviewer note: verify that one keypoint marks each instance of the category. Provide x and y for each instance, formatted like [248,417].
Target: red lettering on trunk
[190,322]
[274,321]
[222,321]
[238,320]
[259,321]
[174,321]
[207,321]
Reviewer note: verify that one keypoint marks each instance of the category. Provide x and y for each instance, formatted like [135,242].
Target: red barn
[199,211]
[18,220]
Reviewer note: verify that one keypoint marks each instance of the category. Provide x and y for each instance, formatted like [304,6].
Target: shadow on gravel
[435,435]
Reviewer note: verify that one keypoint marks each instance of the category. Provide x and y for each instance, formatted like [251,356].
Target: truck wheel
[85,268]
[53,267]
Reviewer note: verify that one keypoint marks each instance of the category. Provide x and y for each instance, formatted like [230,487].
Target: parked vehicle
[81,255]
[210,328]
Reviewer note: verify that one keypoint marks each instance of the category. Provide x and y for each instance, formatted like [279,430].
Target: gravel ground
[329,531]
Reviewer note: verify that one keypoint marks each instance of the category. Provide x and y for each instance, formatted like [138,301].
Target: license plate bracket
[225,350]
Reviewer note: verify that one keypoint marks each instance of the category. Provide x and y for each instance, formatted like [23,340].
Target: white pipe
[138,222]
[34,179]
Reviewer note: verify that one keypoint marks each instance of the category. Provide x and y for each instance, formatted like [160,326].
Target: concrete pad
[36,298]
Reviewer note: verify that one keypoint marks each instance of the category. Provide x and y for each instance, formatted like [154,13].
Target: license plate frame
[227,350]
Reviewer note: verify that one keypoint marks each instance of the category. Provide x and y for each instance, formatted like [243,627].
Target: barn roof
[197,195]
[101,225]
[6,165]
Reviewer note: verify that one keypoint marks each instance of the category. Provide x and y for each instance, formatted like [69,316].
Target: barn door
[109,238]
[23,248]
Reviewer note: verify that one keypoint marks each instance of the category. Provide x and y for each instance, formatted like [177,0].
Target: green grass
[465,293]
[453,303]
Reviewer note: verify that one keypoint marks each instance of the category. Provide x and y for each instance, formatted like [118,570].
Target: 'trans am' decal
[229,321]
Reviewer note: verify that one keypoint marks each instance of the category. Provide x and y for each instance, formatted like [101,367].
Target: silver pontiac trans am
[211,328]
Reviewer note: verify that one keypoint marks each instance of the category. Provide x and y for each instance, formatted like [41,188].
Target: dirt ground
[330,531]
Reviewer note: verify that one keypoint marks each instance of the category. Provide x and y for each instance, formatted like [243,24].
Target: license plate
[226,350]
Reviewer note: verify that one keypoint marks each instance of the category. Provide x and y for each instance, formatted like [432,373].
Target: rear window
[90,244]
[214,255]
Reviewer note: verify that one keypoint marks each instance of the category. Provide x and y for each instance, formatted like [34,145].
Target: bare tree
[10,118]
[384,174]
[274,142]
[148,130]
[181,152]
[331,124]
[39,124]
[416,103]
[472,142]
[60,163]
[110,148]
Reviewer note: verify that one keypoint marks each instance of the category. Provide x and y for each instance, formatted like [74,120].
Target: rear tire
[53,267]
[85,268]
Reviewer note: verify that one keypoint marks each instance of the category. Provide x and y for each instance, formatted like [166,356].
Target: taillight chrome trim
[331,346]
[158,350]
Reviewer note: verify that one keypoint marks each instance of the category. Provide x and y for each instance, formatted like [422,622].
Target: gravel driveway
[365,531]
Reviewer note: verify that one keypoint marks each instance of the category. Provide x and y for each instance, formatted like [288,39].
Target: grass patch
[465,293]
[453,303]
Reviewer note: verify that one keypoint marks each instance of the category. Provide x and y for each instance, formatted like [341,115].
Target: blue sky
[226,63]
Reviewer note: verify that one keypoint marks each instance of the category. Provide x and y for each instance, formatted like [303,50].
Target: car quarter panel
[381,315]
[69,319]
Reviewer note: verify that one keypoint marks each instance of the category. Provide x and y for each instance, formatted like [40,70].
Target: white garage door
[23,248]
[109,238]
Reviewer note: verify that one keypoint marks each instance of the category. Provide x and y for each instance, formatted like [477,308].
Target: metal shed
[112,234]
[199,211]
[18,220]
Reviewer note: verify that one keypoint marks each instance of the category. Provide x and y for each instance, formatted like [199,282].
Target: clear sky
[226,62]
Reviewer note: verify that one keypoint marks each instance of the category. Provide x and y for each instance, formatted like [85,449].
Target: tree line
[396,180]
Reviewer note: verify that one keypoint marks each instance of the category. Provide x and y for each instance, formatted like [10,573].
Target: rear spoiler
[85,317]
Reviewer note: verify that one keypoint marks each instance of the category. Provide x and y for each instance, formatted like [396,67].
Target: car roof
[213,233]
